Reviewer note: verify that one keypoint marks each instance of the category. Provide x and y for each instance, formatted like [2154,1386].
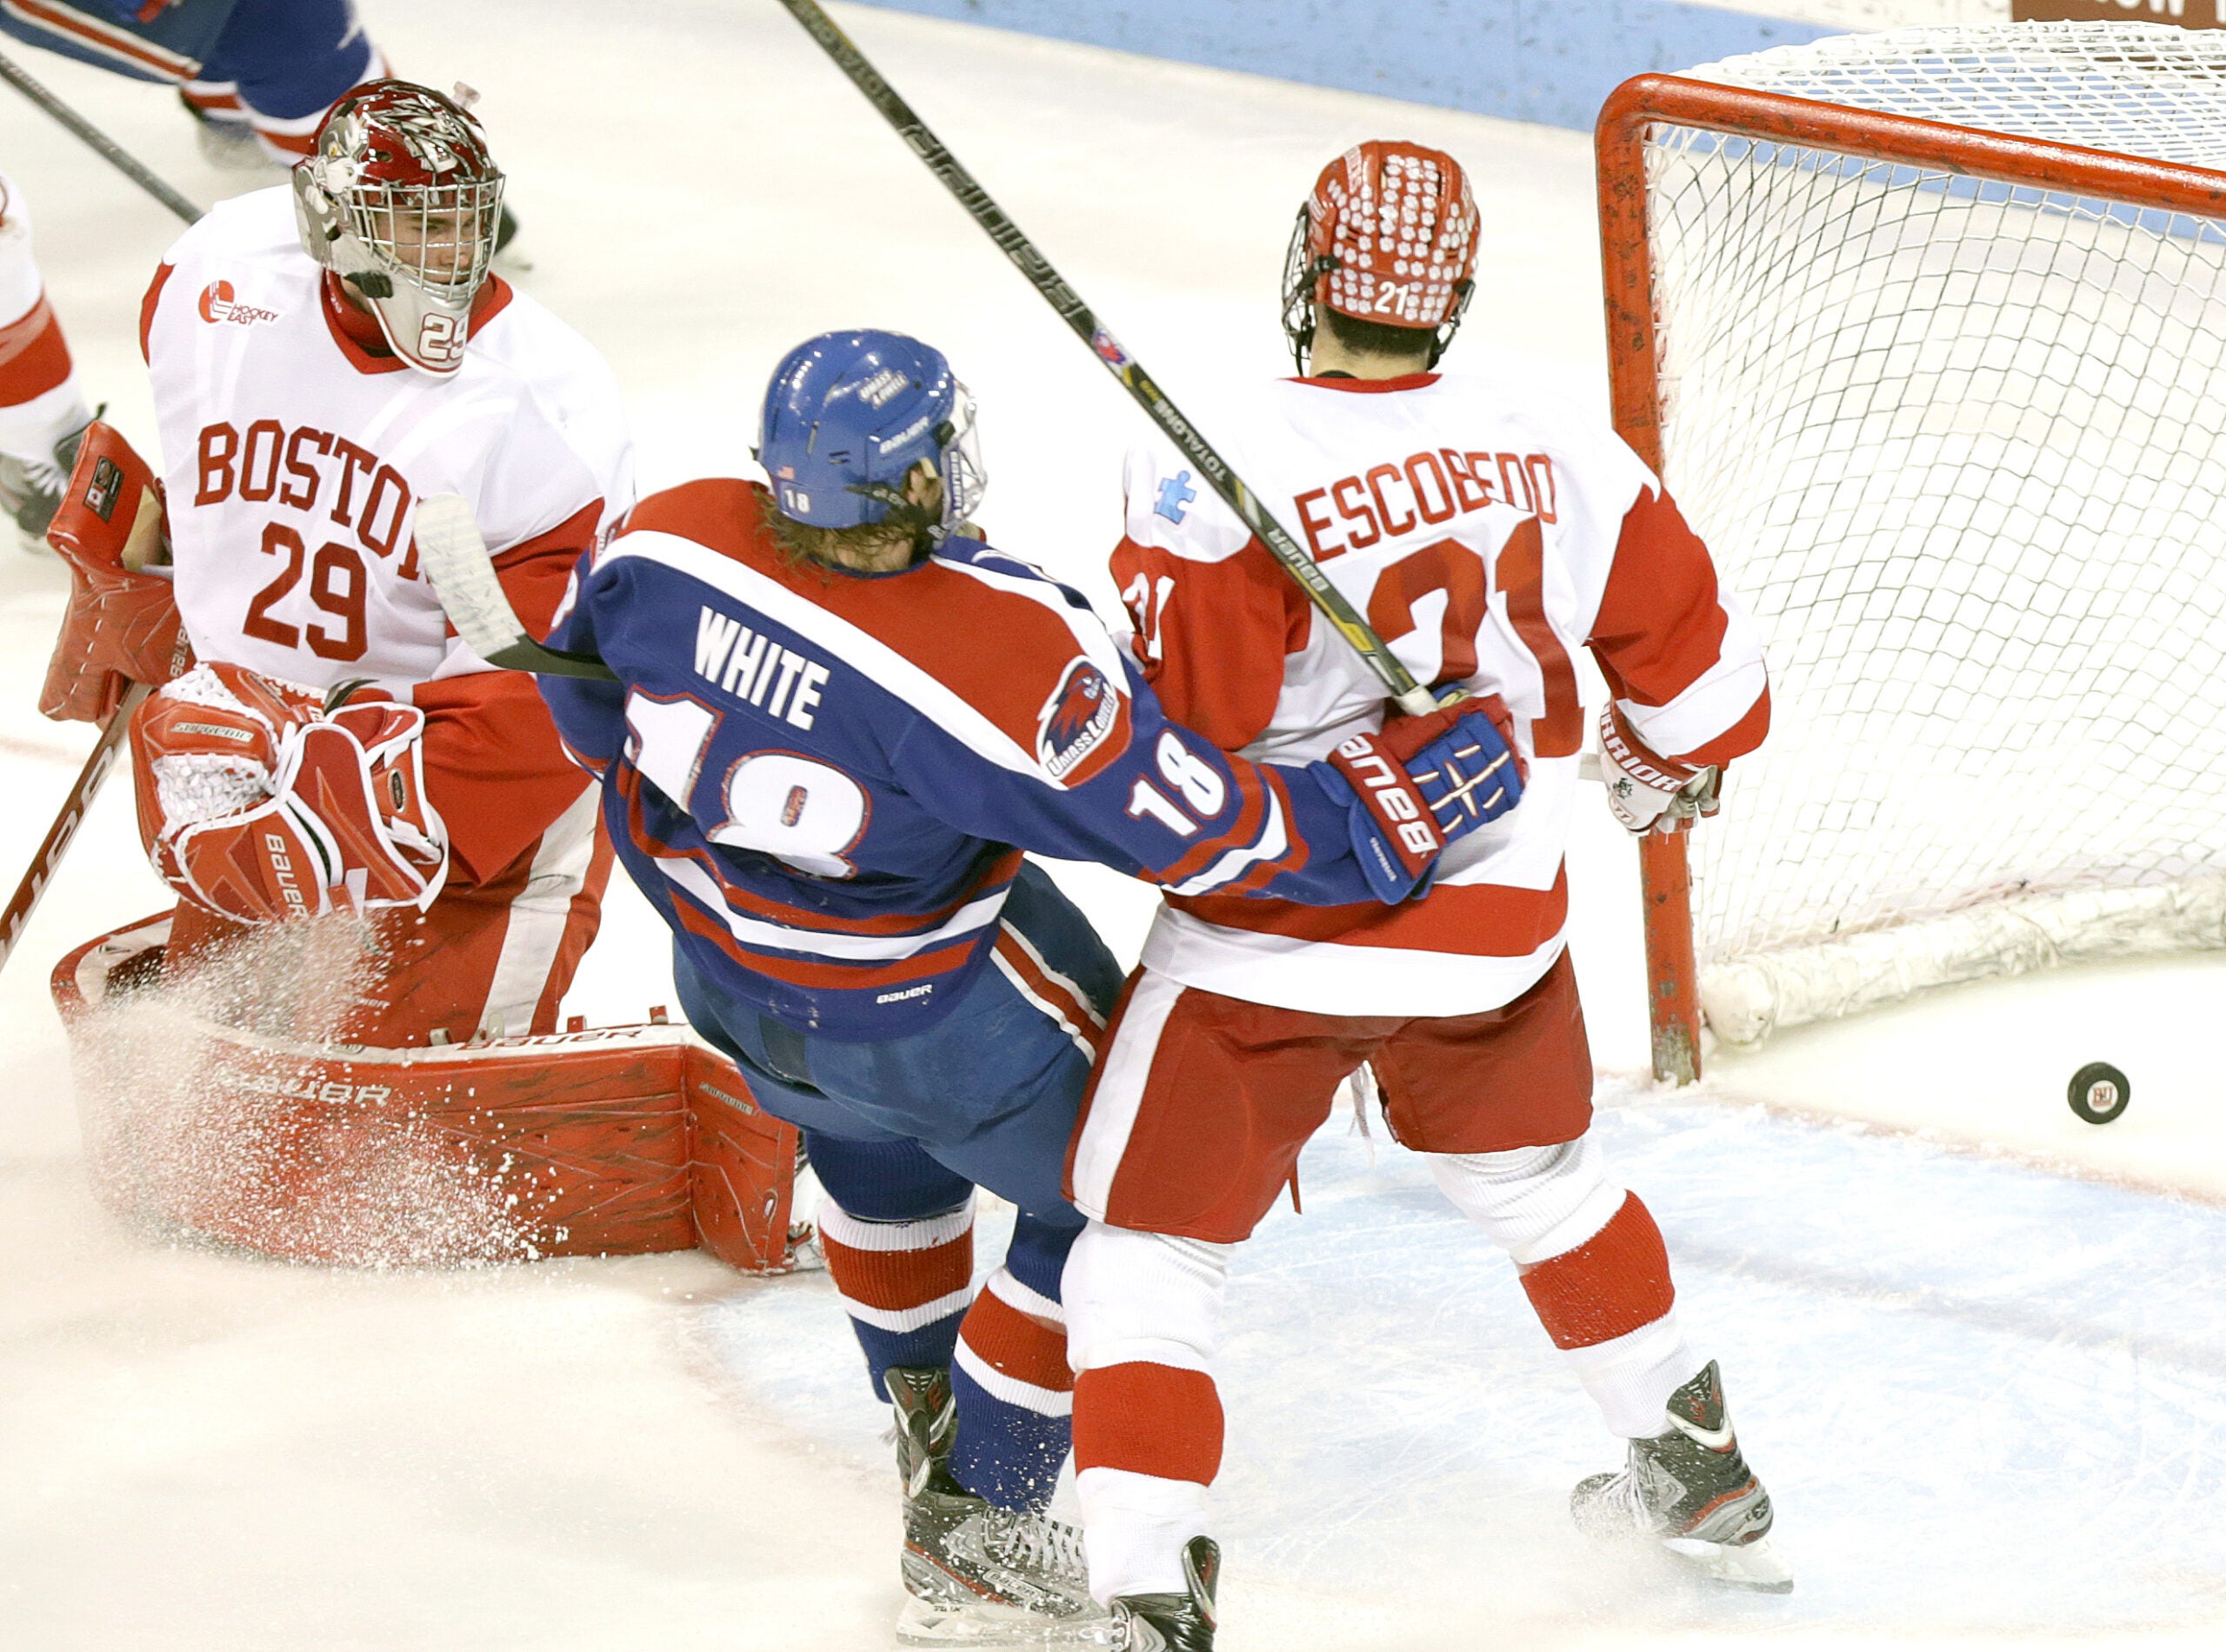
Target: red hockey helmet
[1388,235]
[401,199]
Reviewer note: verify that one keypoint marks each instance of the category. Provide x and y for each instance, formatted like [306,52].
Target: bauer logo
[1077,720]
[218,305]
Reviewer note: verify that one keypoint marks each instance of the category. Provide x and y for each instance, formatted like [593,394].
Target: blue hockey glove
[1420,785]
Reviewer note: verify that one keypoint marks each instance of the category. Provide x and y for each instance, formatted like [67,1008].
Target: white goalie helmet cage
[402,201]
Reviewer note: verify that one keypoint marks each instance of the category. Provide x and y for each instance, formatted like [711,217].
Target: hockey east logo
[1076,719]
[218,304]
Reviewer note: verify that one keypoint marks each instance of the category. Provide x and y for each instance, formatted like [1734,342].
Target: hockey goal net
[1927,333]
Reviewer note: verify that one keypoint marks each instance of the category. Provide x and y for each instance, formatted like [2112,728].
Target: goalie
[322,356]
[320,745]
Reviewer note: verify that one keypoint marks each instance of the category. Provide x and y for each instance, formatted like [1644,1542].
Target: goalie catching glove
[1650,793]
[122,626]
[261,800]
[1420,783]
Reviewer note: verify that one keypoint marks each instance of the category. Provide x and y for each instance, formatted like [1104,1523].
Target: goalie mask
[401,200]
[1388,235]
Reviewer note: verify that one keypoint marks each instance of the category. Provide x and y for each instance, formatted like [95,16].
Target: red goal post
[1653,100]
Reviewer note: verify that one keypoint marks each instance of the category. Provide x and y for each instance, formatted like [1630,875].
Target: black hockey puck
[2099,1092]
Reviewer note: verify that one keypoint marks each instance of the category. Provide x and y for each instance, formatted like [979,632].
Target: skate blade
[1755,1565]
[979,1623]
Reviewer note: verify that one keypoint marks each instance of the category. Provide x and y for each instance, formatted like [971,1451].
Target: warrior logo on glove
[270,802]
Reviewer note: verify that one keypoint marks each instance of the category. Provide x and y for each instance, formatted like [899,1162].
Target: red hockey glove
[1423,784]
[122,626]
[257,805]
[1648,792]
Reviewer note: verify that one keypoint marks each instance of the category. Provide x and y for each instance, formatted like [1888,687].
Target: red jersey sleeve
[1681,657]
[154,296]
[1211,635]
[494,766]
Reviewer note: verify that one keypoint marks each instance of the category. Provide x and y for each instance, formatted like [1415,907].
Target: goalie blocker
[614,1140]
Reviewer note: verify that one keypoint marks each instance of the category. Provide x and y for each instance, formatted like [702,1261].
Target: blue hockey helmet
[849,413]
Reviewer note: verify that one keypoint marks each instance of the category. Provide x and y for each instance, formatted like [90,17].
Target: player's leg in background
[1499,1105]
[273,72]
[988,1096]
[898,1232]
[991,1093]
[42,412]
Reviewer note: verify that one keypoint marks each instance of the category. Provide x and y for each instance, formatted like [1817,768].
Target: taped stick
[94,139]
[455,559]
[1398,681]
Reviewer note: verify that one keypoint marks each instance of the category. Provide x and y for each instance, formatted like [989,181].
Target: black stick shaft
[96,140]
[1397,681]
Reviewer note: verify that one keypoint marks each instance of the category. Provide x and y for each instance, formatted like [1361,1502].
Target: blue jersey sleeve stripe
[1271,844]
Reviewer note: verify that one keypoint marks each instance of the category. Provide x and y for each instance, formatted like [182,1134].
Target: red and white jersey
[293,457]
[1487,533]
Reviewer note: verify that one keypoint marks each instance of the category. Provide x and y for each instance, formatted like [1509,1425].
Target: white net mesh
[1962,449]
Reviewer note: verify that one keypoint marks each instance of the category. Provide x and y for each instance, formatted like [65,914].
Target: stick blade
[471,594]
[463,576]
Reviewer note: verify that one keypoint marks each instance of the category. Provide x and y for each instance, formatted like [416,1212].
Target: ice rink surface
[1976,1348]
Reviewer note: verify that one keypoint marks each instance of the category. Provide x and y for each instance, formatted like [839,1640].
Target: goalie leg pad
[612,1141]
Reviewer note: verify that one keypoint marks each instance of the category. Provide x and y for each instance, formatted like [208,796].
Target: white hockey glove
[1647,793]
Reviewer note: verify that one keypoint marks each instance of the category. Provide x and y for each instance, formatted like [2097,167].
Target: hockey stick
[471,594]
[63,831]
[99,143]
[1398,681]
[20,906]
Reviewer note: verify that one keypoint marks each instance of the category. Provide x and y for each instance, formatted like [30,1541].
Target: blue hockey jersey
[825,780]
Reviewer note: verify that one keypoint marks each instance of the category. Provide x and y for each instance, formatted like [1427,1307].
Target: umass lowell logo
[1075,720]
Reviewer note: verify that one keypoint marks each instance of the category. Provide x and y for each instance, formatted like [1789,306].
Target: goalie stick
[63,831]
[1398,681]
[57,842]
[96,140]
[463,576]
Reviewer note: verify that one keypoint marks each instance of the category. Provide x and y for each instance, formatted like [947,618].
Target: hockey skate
[975,1575]
[228,140]
[1181,1623]
[30,491]
[1690,1490]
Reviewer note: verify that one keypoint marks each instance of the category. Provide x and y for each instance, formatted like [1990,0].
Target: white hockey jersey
[293,457]
[1486,534]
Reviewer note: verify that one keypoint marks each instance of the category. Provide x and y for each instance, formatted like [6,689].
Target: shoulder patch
[1078,719]
[720,513]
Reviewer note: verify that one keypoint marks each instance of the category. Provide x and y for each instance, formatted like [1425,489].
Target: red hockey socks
[1611,1285]
[1593,1264]
[1150,1420]
[904,1284]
